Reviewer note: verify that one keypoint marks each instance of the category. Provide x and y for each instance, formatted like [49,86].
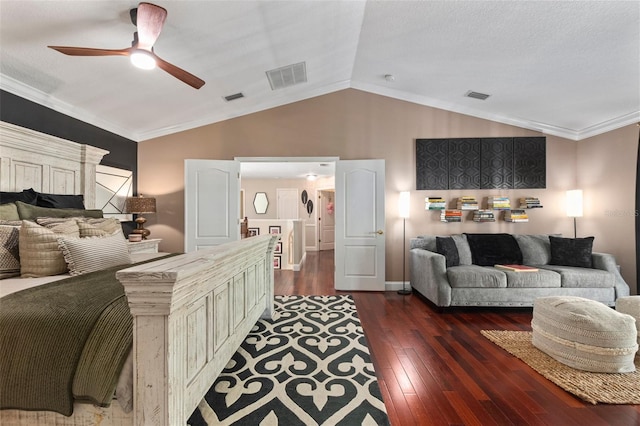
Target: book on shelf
[435,203]
[516,215]
[484,216]
[451,216]
[530,203]
[467,203]
[499,203]
[516,268]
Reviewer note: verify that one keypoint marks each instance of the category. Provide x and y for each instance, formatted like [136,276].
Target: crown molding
[18,88]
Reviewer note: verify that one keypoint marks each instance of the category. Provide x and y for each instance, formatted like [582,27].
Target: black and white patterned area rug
[310,365]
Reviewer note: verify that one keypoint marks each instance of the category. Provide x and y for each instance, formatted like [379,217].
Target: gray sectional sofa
[458,270]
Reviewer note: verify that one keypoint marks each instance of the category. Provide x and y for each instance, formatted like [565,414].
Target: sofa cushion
[476,276]
[575,277]
[536,249]
[493,249]
[428,242]
[571,251]
[447,247]
[541,278]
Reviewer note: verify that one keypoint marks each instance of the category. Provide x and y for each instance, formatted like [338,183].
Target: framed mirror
[260,203]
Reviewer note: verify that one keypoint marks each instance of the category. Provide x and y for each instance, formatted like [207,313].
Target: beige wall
[607,175]
[352,124]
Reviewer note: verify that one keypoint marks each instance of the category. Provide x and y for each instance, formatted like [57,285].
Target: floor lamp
[574,207]
[404,205]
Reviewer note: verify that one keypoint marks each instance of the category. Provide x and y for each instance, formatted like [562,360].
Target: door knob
[379,232]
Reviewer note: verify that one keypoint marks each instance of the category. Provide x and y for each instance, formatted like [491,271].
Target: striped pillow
[98,227]
[84,255]
[38,247]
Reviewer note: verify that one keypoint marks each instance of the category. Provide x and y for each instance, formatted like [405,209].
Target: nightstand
[144,246]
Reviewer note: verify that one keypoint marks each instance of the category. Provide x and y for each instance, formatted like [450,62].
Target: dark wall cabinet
[481,163]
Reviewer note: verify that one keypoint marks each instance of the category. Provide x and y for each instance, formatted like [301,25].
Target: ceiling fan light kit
[142,59]
[149,20]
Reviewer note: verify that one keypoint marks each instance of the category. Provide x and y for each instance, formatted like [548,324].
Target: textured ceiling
[570,69]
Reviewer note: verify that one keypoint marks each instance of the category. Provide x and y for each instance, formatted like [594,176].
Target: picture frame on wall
[253,232]
[275,230]
[276,262]
[278,249]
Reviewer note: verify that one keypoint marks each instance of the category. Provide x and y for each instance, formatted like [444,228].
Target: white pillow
[84,255]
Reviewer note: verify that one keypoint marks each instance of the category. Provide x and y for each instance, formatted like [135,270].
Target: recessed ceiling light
[311,176]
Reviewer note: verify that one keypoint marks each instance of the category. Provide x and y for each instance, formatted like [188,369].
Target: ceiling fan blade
[88,51]
[179,73]
[150,20]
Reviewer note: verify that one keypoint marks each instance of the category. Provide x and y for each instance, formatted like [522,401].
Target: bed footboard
[191,313]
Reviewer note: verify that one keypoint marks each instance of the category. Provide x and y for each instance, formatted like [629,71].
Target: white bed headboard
[30,159]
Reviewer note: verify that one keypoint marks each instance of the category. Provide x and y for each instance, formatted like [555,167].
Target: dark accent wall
[481,163]
[123,152]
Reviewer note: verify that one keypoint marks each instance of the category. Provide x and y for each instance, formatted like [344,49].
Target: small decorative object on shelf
[499,203]
[530,203]
[468,203]
[451,216]
[484,216]
[435,203]
[516,215]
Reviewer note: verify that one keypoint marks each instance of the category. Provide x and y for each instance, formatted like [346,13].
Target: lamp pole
[405,206]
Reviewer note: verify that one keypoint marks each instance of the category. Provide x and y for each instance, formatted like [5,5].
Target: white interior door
[360,219]
[327,220]
[287,203]
[212,203]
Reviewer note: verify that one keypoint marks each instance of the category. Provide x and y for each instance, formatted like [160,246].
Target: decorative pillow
[9,254]
[494,249]
[98,227]
[464,252]
[446,246]
[536,249]
[58,201]
[571,251]
[26,196]
[29,212]
[84,255]
[38,248]
[9,212]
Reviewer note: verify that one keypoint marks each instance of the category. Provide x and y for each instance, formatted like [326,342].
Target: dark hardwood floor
[436,369]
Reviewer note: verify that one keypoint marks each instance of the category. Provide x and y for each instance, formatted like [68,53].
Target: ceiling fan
[149,19]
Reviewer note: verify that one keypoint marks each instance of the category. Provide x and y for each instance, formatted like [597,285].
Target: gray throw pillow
[447,247]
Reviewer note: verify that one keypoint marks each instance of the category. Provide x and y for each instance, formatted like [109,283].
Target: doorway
[326,219]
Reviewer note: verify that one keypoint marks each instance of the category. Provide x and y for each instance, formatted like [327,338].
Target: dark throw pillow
[446,246]
[571,251]
[494,249]
[57,201]
[26,196]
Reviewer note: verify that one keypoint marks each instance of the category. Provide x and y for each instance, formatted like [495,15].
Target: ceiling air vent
[234,97]
[280,78]
[476,95]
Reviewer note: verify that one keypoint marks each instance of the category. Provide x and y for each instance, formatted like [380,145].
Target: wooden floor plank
[435,368]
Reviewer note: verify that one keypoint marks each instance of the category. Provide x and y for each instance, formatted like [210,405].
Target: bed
[190,311]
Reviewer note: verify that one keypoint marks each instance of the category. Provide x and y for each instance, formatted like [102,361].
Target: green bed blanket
[66,337]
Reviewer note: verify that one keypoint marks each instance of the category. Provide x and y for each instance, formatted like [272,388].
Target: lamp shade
[574,203]
[140,205]
[404,204]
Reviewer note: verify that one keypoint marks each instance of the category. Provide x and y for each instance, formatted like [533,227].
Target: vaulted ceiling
[569,68]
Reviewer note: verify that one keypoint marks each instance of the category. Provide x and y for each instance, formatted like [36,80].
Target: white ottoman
[630,305]
[584,334]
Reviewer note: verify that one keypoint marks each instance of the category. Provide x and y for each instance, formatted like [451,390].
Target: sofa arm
[429,276]
[607,262]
